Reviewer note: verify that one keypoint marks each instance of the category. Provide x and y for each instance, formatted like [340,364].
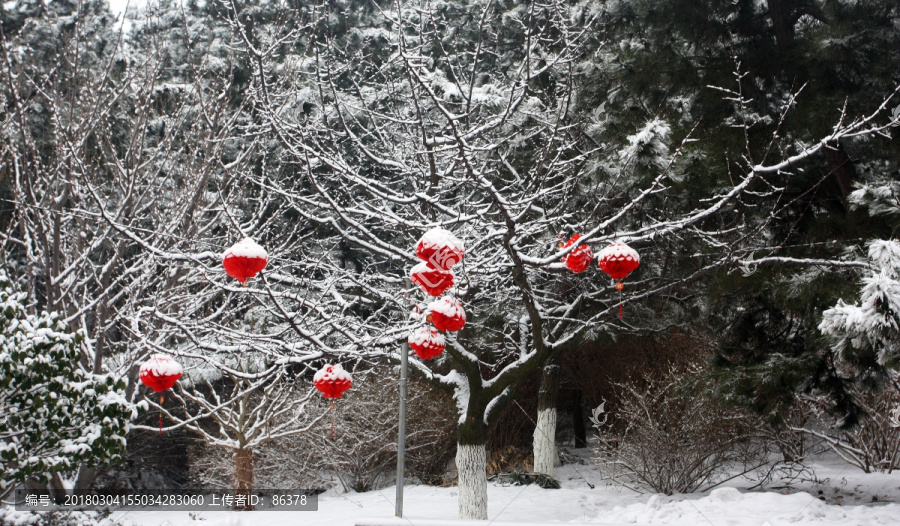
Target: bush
[664,435]
[363,454]
[871,445]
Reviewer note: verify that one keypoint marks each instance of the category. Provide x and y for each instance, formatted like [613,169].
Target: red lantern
[433,281]
[618,260]
[427,342]
[160,372]
[447,314]
[440,249]
[332,380]
[579,259]
[244,260]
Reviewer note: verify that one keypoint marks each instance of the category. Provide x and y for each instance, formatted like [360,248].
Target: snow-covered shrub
[363,454]
[867,335]
[53,415]
[665,436]
[871,445]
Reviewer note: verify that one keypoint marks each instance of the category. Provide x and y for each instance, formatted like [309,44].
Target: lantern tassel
[161,399]
[619,287]
[332,420]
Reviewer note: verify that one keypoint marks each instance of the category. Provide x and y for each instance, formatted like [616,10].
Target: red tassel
[620,310]
[161,399]
[332,420]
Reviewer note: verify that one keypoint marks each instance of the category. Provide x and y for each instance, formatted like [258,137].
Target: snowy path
[851,498]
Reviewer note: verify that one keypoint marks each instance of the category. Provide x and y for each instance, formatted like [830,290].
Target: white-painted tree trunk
[471,464]
[545,456]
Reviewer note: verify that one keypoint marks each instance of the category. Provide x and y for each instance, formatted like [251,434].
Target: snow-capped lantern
[160,372]
[332,380]
[432,280]
[618,260]
[427,342]
[447,314]
[244,260]
[440,249]
[579,259]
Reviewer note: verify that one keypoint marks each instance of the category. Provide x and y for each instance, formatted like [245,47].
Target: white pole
[401,435]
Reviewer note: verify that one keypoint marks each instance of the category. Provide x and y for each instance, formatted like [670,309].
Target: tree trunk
[243,474]
[578,421]
[545,454]
[781,11]
[845,175]
[471,464]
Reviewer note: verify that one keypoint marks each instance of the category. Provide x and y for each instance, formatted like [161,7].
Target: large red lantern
[618,260]
[433,281]
[440,249]
[447,314]
[579,259]
[160,373]
[427,342]
[332,380]
[244,260]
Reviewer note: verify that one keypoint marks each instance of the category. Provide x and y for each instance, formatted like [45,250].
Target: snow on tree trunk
[243,478]
[471,463]
[545,455]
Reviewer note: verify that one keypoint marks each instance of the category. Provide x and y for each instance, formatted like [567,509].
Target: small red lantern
[618,260]
[579,259]
[447,314]
[440,249]
[433,281]
[244,260]
[332,380]
[427,342]
[160,373]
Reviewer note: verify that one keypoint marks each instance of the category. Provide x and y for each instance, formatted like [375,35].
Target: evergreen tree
[55,417]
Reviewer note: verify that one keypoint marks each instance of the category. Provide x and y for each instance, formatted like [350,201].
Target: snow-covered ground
[840,495]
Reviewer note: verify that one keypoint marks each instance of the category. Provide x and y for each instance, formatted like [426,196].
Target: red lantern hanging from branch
[433,281]
[447,314]
[618,260]
[440,249]
[427,342]
[244,260]
[579,259]
[333,381]
[160,373]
